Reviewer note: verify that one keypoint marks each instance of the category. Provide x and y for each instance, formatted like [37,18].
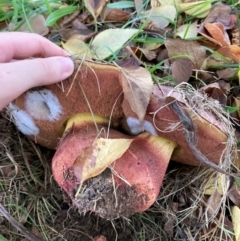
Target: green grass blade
[54,16]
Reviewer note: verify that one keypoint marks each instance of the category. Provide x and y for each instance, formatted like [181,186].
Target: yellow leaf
[109,41]
[76,47]
[95,159]
[137,88]
[236,222]
[187,31]
[161,16]
[215,185]
[198,9]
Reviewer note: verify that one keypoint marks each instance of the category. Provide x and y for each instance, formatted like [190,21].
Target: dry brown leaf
[234,194]
[149,55]
[137,88]
[37,24]
[215,91]
[193,49]
[236,221]
[95,7]
[116,15]
[231,52]
[182,70]
[95,159]
[220,13]
[226,74]
[218,33]
[213,204]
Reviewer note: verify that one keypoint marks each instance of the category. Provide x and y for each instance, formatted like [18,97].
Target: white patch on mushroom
[148,126]
[23,121]
[43,105]
[134,125]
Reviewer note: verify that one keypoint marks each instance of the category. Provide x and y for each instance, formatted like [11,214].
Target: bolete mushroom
[95,91]
[136,177]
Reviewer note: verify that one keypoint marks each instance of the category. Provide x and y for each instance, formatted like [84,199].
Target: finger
[17,77]
[17,45]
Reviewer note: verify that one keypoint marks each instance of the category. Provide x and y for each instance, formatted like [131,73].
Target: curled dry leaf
[161,16]
[137,88]
[182,70]
[218,35]
[95,159]
[193,49]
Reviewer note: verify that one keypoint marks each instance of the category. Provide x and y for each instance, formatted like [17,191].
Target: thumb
[19,76]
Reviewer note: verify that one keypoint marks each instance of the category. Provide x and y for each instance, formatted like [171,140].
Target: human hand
[18,73]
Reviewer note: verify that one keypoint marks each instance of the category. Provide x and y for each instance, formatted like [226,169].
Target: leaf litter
[189,212]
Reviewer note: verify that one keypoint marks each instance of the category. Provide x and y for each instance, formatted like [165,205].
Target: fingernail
[67,66]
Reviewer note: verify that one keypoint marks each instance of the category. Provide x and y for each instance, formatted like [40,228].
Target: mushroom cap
[137,174]
[93,88]
[211,141]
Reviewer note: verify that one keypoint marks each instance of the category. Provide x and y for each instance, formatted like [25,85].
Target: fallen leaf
[116,15]
[231,52]
[137,88]
[182,70]
[213,204]
[75,46]
[161,16]
[234,194]
[215,92]
[149,55]
[187,31]
[95,7]
[227,74]
[109,41]
[218,33]
[35,24]
[95,159]
[220,13]
[199,9]
[236,221]
[215,184]
[193,49]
